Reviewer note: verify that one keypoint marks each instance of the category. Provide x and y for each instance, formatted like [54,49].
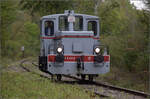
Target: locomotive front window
[49,28]
[78,24]
[63,23]
[92,26]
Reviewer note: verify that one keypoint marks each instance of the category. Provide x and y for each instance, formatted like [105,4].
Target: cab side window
[92,26]
[49,28]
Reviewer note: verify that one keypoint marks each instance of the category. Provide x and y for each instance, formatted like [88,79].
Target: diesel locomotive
[71,45]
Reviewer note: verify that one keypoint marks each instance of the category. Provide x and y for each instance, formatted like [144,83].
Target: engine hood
[77,41]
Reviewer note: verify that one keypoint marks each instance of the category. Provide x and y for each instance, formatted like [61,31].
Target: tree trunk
[97,3]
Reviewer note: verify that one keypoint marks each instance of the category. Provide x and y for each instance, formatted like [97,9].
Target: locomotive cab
[70,44]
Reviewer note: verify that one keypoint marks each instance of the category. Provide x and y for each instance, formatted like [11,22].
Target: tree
[124,30]
[8,15]
[147,2]
[46,7]
[97,3]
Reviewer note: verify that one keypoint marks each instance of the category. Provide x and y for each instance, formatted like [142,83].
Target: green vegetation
[19,84]
[123,28]
[23,85]
[126,79]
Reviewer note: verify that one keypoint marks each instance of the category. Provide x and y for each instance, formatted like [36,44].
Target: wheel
[40,67]
[91,77]
[83,77]
[43,63]
[43,67]
[59,77]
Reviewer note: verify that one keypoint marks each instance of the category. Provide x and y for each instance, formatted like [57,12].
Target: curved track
[135,93]
[29,70]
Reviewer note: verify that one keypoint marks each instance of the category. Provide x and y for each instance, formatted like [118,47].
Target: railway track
[88,86]
[44,75]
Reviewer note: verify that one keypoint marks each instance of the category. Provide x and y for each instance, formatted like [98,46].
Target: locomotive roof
[76,14]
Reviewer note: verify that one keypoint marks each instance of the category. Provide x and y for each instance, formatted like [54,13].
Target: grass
[25,85]
[125,79]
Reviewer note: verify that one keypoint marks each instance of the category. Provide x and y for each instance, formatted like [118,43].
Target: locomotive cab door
[47,31]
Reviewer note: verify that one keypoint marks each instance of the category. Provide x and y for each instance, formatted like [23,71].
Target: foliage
[31,36]
[84,6]
[17,30]
[123,28]
[147,2]
[8,15]
[46,7]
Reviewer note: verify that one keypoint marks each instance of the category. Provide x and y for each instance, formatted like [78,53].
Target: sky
[139,4]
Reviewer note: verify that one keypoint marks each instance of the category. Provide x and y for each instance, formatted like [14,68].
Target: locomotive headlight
[59,49]
[97,50]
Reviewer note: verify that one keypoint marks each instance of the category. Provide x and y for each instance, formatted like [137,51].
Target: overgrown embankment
[19,84]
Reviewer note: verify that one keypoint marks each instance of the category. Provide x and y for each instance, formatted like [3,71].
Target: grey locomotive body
[72,45]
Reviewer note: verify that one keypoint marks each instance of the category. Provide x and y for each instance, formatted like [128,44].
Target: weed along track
[107,90]
[97,88]
[29,69]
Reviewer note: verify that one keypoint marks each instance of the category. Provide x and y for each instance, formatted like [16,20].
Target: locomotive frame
[72,45]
